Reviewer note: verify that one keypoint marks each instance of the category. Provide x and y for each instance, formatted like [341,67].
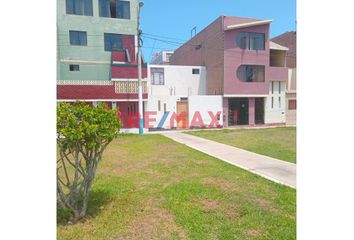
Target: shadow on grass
[97,200]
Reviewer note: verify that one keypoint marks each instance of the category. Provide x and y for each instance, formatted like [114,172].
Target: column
[251,111]
[225,112]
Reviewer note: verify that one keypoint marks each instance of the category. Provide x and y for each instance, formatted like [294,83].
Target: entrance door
[238,111]
[259,110]
[182,114]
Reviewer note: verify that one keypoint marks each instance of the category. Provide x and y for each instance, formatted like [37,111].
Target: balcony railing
[129,86]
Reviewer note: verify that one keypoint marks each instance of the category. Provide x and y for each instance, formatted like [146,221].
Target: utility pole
[140,88]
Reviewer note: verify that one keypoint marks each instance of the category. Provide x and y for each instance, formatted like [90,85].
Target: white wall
[179,81]
[152,106]
[275,114]
[290,113]
[203,104]
[197,103]
[291,85]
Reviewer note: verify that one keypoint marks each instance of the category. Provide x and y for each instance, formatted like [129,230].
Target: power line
[163,40]
[180,44]
[153,35]
[173,43]
[152,49]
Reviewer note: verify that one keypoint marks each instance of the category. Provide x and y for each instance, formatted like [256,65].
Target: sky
[172,21]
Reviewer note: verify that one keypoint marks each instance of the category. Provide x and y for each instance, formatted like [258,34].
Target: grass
[150,187]
[277,142]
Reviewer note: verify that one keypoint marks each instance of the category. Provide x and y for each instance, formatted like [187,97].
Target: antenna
[194,30]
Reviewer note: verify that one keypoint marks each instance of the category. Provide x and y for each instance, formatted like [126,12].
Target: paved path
[273,169]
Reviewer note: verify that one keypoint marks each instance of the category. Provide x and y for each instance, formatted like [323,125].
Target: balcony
[121,56]
[277,61]
[278,73]
[123,67]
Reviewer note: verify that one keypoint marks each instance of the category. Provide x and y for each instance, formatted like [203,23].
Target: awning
[275,46]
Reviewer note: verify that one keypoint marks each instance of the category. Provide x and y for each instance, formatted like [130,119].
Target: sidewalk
[273,169]
[156,131]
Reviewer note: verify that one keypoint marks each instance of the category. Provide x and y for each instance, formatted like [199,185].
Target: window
[272,87]
[73,67]
[292,104]
[114,8]
[79,7]
[164,107]
[157,76]
[123,9]
[112,42]
[251,41]
[195,71]
[159,105]
[168,56]
[272,102]
[279,87]
[279,100]
[78,38]
[251,73]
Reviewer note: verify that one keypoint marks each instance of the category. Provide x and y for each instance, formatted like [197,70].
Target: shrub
[83,133]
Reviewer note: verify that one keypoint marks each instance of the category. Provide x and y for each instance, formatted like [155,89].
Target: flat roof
[173,66]
[248,24]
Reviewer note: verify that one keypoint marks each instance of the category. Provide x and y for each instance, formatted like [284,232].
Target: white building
[162,58]
[177,90]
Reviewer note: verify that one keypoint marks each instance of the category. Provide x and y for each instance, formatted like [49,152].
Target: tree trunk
[77,196]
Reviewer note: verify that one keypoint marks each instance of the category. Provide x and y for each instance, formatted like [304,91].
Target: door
[182,114]
[243,111]
[238,111]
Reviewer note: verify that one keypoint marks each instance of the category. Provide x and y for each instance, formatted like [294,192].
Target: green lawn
[150,187]
[277,142]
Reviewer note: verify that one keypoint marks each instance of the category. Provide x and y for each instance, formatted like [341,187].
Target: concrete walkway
[273,169]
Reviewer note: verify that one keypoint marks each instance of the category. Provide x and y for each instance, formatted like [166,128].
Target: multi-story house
[288,40]
[243,66]
[97,54]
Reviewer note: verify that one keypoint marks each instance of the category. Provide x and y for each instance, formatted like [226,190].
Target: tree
[83,133]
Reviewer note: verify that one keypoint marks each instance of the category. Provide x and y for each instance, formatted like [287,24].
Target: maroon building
[243,66]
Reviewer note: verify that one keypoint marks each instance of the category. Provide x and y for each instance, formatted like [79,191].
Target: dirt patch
[208,204]
[155,177]
[221,183]
[253,233]
[153,222]
[229,210]
[263,203]
[232,211]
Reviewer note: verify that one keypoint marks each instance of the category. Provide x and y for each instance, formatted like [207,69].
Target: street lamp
[140,88]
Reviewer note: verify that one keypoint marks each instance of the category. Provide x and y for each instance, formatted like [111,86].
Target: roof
[275,46]
[288,39]
[250,23]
